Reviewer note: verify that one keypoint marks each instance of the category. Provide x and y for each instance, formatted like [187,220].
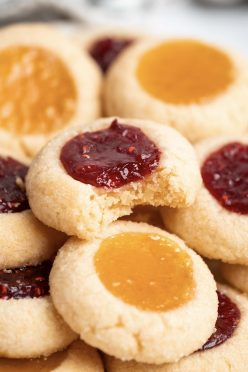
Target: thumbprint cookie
[236,276]
[224,351]
[79,357]
[216,224]
[104,45]
[104,170]
[23,239]
[47,83]
[135,293]
[198,88]
[30,327]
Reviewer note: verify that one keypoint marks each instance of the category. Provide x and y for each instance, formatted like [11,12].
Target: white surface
[227,26]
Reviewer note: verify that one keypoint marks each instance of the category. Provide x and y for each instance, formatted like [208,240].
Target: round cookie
[236,276]
[129,320]
[120,163]
[23,239]
[199,89]
[219,213]
[77,358]
[30,326]
[47,84]
[104,45]
[228,356]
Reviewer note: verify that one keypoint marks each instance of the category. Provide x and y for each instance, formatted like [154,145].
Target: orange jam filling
[184,72]
[37,93]
[146,270]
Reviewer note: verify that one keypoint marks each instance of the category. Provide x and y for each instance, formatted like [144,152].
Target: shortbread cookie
[23,239]
[104,45]
[216,224]
[225,351]
[142,293]
[79,357]
[47,83]
[147,214]
[199,89]
[236,276]
[30,327]
[103,171]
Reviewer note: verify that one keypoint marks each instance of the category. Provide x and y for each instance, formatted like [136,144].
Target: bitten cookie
[47,83]
[216,224]
[79,357]
[103,171]
[225,350]
[236,276]
[136,293]
[197,88]
[104,45]
[23,239]
[30,327]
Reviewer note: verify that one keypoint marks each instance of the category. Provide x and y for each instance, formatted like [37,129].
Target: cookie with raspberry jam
[86,178]
[141,293]
[47,83]
[216,224]
[23,239]
[198,88]
[224,351]
[104,45]
[30,325]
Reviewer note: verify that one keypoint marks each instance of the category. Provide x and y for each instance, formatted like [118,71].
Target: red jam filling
[25,282]
[105,51]
[225,175]
[111,157]
[13,197]
[227,321]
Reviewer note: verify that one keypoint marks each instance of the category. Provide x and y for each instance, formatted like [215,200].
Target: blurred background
[221,21]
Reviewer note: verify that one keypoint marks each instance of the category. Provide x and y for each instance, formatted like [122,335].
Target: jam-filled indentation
[225,175]
[148,271]
[184,72]
[37,92]
[227,321]
[25,282]
[106,50]
[13,196]
[110,158]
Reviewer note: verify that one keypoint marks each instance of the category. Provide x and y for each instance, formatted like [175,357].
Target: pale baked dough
[147,214]
[223,114]
[206,226]
[24,240]
[83,70]
[78,357]
[31,327]
[231,356]
[83,210]
[123,330]
[236,276]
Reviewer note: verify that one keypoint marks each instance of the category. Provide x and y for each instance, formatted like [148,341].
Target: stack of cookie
[78,271]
